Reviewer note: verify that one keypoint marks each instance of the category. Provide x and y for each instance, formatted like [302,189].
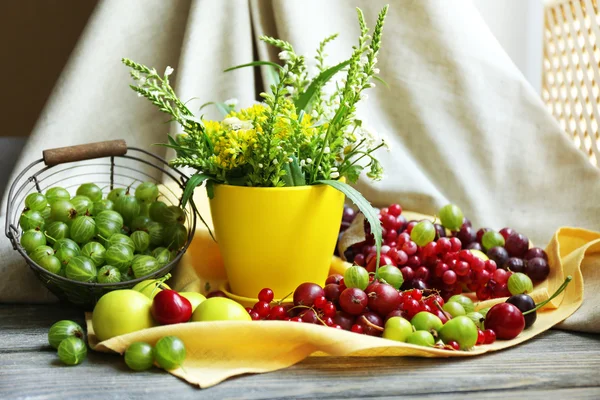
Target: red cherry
[169,307]
[506,320]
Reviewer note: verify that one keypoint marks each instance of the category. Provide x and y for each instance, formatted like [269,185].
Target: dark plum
[535,252]
[344,320]
[440,231]
[537,269]
[514,264]
[466,235]
[517,245]
[371,323]
[506,232]
[474,246]
[498,254]
[349,214]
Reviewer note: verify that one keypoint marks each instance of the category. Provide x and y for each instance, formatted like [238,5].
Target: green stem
[558,291]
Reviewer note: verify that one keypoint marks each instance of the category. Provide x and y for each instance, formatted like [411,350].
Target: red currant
[454,344]
[265,295]
[490,336]
[480,337]
[278,312]
[320,302]
[357,328]
[254,315]
[395,210]
[329,310]
[262,308]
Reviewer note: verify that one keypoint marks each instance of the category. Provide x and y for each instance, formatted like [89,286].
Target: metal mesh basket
[110,165]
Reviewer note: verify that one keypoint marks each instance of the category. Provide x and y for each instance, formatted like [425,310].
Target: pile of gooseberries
[91,238]
[68,339]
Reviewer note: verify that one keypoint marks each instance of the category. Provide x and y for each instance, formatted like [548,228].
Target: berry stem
[558,291]
[372,325]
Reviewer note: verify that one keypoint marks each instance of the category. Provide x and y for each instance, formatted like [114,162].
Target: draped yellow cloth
[219,350]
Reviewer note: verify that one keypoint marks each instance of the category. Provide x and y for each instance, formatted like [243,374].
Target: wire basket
[110,165]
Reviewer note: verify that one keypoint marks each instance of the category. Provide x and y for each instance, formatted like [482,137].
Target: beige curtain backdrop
[463,124]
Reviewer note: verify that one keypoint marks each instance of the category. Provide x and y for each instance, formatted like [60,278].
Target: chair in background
[571,70]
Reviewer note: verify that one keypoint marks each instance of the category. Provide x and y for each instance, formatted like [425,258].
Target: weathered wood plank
[555,364]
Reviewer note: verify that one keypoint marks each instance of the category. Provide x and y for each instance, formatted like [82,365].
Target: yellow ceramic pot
[276,238]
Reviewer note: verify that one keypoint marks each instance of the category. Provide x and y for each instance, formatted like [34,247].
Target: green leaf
[293,174]
[381,80]
[305,97]
[254,64]
[365,207]
[206,105]
[353,173]
[171,140]
[210,188]
[192,183]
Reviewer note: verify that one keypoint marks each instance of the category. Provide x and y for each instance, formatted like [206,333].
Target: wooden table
[556,364]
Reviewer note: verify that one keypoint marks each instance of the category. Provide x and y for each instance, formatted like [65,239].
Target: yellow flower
[231,148]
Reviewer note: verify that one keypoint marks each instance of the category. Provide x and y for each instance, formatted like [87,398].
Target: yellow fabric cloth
[219,350]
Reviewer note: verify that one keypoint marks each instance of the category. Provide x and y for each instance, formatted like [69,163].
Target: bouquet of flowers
[300,134]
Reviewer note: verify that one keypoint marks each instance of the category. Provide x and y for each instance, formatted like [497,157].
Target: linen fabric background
[463,124]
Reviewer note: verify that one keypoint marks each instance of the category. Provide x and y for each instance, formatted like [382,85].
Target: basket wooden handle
[82,152]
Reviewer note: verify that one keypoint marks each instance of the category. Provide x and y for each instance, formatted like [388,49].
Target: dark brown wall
[36,38]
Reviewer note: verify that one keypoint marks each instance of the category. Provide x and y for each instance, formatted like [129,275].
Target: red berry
[332,292]
[320,302]
[309,316]
[440,268]
[278,312]
[402,257]
[490,336]
[422,273]
[265,295]
[483,293]
[416,294]
[337,326]
[403,238]
[383,298]
[383,211]
[296,319]
[456,244]
[409,248]
[329,310]
[353,301]
[444,245]
[336,278]
[262,308]
[407,273]
[506,232]
[359,259]
[454,344]
[249,310]
[477,264]
[449,277]
[254,315]
[357,328]
[328,321]
[480,337]
[395,210]
[414,261]
[490,266]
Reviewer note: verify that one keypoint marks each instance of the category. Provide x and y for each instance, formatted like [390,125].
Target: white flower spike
[168,71]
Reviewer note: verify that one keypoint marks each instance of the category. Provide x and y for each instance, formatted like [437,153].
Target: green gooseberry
[62,330]
[139,356]
[72,351]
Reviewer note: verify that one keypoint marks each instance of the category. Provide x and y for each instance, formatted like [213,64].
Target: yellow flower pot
[276,238]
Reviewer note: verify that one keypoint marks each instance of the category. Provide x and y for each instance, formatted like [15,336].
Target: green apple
[426,321]
[194,298]
[464,301]
[397,328]
[120,312]
[220,309]
[454,309]
[421,338]
[460,329]
[148,287]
